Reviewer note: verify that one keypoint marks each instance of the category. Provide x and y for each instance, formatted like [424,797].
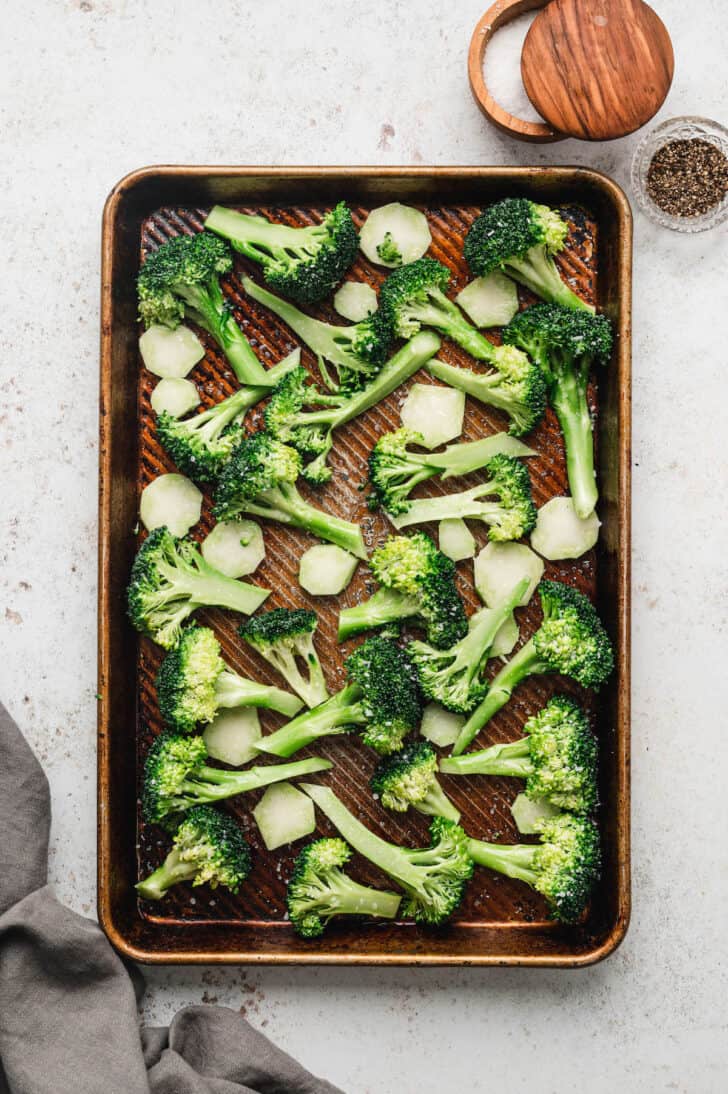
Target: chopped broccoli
[417,581]
[409,778]
[260,479]
[303,263]
[503,502]
[310,431]
[455,677]
[170,579]
[434,878]
[181,279]
[517,387]
[194,683]
[208,848]
[284,637]
[356,353]
[388,250]
[557,757]
[381,700]
[176,777]
[319,889]
[520,238]
[566,344]
[564,866]
[571,641]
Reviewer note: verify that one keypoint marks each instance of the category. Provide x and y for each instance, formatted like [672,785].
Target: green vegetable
[381,700]
[231,735]
[440,726]
[529,815]
[284,637]
[561,533]
[181,279]
[170,580]
[434,878]
[284,815]
[303,263]
[319,890]
[172,501]
[409,778]
[520,238]
[516,386]
[455,539]
[234,547]
[355,300]
[170,352]
[499,566]
[325,570]
[417,581]
[435,414]
[566,344]
[564,866]
[571,641]
[208,849]
[395,233]
[174,397]
[260,479]
[489,301]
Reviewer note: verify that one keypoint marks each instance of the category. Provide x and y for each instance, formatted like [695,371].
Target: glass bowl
[687,128]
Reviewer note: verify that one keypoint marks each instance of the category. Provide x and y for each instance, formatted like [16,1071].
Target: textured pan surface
[500,921]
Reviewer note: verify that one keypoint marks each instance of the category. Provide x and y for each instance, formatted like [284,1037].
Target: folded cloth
[68,1010]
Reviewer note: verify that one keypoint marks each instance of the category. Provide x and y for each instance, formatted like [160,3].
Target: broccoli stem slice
[206,587]
[539,273]
[514,860]
[335,716]
[232,690]
[385,606]
[487,387]
[466,504]
[572,410]
[172,871]
[524,663]
[504,759]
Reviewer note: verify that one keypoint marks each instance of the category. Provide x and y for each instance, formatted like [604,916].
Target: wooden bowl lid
[597,69]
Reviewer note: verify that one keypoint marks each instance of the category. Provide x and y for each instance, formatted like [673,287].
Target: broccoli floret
[455,677]
[434,878]
[517,387]
[260,479]
[176,777]
[409,778]
[284,637]
[418,581]
[208,848]
[319,889]
[388,250]
[571,641]
[194,683]
[564,866]
[356,353]
[310,430]
[170,579]
[303,263]
[557,757]
[503,502]
[381,700]
[520,238]
[181,279]
[566,344]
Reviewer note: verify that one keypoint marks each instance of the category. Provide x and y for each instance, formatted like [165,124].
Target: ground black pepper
[687,177]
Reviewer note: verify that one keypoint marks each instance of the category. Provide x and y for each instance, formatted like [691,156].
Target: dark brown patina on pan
[500,921]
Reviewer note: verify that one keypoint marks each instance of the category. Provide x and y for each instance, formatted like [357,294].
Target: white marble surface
[90,90]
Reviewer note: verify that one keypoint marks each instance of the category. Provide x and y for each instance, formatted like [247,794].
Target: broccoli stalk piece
[503,502]
[170,580]
[194,682]
[381,700]
[564,866]
[284,637]
[310,431]
[208,849]
[260,479]
[454,678]
[319,890]
[517,387]
[557,756]
[571,641]
[434,878]
[520,238]
[418,581]
[394,470]
[176,777]
[409,778]
[566,344]
[181,279]
[201,445]
[356,352]
[303,263]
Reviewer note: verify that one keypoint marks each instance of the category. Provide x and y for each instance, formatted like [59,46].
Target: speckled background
[90,90]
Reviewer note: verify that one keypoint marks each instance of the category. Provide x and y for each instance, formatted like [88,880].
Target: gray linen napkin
[68,1011]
